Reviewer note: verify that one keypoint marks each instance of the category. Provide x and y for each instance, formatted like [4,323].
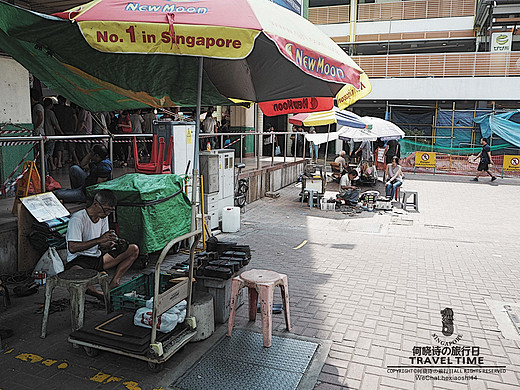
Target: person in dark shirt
[67,119]
[485,160]
[99,168]
[393,149]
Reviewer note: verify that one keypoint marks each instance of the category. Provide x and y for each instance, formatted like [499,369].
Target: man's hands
[108,237]
[108,240]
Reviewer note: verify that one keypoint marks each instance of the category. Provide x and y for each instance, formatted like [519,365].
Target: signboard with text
[511,163]
[425,159]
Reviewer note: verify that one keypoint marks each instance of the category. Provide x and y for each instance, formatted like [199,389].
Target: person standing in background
[149,117]
[37,112]
[314,148]
[51,127]
[393,148]
[124,126]
[209,125]
[68,121]
[84,128]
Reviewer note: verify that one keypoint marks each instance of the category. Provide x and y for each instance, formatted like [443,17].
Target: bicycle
[241,187]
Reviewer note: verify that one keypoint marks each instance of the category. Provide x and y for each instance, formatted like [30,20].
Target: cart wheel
[91,352]
[155,367]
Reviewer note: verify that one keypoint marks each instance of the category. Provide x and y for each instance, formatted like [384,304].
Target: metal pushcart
[159,352]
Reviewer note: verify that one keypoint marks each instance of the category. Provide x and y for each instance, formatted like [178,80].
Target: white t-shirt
[80,229]
[343,182]
[208,125]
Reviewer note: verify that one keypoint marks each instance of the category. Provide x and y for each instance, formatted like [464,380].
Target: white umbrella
[376,128]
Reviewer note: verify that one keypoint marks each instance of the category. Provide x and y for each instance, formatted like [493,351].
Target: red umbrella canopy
[224,29]
[110,53]
[218,29]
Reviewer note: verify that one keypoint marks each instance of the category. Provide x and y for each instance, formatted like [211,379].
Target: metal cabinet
[183,134]
[218,169]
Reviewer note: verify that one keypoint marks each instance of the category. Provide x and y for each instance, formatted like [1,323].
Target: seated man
[88,234]
[347,191]
[99,170]
[341,161]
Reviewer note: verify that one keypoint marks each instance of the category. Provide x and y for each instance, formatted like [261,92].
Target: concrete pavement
[372,283]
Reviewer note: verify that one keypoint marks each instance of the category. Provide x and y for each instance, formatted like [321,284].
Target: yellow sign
[188,136]
[349,95]
[210,41]
[425,159]
[511,163]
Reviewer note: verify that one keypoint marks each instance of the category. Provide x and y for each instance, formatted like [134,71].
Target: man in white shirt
[341,161]
[347,191]
[88,233]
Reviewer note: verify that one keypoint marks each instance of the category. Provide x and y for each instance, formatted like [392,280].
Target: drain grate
[241,362]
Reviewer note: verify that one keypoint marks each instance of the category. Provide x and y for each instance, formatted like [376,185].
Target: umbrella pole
[326,149]
[196,153]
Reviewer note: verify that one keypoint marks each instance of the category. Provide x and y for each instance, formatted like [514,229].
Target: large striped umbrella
[340,117]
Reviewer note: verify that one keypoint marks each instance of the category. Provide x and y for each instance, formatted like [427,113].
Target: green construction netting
[151,209]
[408,147]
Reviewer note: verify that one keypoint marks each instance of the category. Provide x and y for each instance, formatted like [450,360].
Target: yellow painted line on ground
[33,358]
[302,244]
[104,378]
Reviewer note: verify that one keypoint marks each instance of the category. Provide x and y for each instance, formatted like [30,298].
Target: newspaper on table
[44,206]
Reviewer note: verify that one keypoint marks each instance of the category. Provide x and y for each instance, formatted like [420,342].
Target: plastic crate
[328,206]
[143,285]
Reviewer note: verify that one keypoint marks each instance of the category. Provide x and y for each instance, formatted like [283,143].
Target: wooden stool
[260,282]
[76,281]
[415,203]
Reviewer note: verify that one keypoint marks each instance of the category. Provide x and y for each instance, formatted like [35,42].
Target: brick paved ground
[373,284]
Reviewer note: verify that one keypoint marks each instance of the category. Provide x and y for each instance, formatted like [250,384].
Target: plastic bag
[166,322]
[50,262]
[277,151]
[51,184]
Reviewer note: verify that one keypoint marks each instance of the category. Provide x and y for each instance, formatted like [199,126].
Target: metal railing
[441,65]
[39,139]
[397,10]
[114,138]
[258,141]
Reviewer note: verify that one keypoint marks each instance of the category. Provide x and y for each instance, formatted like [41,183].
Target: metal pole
[241,148]
[42,163]
[272,148]
[295,143]
[327,148]
[111,149]
[196,153]
[197,117]
[285,148]
[258,137]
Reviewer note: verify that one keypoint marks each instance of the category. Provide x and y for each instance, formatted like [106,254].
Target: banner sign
[425,159]
[297,105]
[501,41]
[511,163]
[349,94]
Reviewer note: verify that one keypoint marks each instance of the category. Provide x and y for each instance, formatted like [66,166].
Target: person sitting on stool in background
[394,176]
[341,161]
[99,170]
[88,234]
[347,191]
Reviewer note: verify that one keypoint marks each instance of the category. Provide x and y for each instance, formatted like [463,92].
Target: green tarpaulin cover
[151,209]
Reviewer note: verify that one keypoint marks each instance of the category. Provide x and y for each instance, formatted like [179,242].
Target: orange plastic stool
[260,282]
[398,194]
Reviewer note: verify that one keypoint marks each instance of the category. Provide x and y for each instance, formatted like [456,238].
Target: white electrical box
[218,169]
[183,134]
